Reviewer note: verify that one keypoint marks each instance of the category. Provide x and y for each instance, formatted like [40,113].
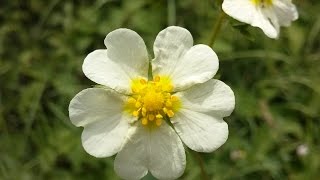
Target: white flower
[129,116]
[302,150]
[268,15]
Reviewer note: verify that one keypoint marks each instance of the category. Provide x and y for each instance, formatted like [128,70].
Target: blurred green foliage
[276,83]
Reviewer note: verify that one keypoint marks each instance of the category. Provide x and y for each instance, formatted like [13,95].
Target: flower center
[152,101]
[262,3]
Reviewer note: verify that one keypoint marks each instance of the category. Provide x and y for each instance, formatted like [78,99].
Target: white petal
[159,150]
[212,97]
[166,153]
[272,20]
[131,161]
[200,132]
[199,122]
[185,65]
[241,10]
[285,11]
[105,138]
[263,19]
[126,58]
[99,111]
[94,104]
[171,44]
[245,11]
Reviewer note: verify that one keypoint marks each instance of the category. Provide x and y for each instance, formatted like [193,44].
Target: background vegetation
[274,130]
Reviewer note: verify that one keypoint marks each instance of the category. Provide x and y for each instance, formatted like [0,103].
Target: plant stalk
[216,28]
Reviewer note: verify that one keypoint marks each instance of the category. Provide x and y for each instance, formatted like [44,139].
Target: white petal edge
[185,65]
[126,58]
[263,21]
[286,12]
[200,132]
[171,44]
[212,97]
[99,111]
[159,150]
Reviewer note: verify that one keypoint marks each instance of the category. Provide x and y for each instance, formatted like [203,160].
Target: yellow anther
[158,122]
[170,113]
[135,113]
[138,104]
[174,98]
[158,88]
[144,109]
[135,90]
[156,78]
[159,116]
[131,101]
[151,117]
[169,103]
[143,81]
[165,110]
[144,121]
[169,88]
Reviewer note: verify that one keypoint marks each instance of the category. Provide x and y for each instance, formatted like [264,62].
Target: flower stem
[201,164]
[217,28]
[171,12]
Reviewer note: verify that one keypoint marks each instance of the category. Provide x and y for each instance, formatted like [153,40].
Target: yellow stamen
[144,112]
[156,79]
[131,100]
[151,117]
[143,81]
[135,113]
[169,103]
[144,121]
[144,109]
[151,100]
[135,90]
[158,122]
[138,104]
[159,116]
[174,98]
[165,110]
[170,113]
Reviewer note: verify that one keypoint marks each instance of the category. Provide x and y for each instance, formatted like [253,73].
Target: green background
[276,84]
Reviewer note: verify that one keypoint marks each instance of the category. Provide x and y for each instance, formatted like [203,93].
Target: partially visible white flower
[238,154]
[128,116]
[268,15]
[302,150]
